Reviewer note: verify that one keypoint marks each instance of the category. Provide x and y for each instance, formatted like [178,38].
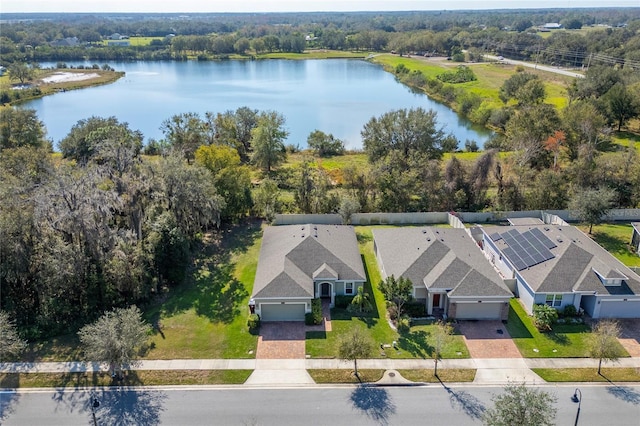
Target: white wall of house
[525,294]
[493,254]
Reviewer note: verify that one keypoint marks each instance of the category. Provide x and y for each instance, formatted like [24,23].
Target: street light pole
[577,397]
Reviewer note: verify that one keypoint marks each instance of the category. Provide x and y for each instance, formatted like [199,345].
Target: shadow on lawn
[374,402]
[211,288]
[415,342]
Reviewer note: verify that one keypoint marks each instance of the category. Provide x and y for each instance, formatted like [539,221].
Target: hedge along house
[448,271]
[298,263]
[560,266]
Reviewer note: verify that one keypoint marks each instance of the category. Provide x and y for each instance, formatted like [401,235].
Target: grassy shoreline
[45,89]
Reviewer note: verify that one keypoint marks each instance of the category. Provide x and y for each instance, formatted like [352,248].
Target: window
[554,300]
[348,288]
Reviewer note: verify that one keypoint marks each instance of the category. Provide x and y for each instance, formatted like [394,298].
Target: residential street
[348,405]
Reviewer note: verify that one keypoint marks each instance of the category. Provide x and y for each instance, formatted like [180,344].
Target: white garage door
[620,309]
[478,310]
[282,312]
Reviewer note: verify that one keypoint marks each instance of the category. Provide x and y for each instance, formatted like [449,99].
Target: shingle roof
[572,269]
[441,258]
[292,255]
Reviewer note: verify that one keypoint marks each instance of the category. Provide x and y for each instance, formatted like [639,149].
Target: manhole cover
[392,374]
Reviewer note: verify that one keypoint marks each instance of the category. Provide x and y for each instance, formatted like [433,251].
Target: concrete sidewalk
[276,372]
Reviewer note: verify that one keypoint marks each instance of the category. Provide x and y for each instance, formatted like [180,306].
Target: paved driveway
[281,340]
[488,339]
[630,336]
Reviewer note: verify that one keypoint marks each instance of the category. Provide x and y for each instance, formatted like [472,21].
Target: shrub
[393,310]
[570,311]
[415,309]
[544,316]
[404,324]
[315,316]
[343,302]
[254,323]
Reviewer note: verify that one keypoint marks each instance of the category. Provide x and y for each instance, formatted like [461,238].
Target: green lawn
[616,239]
[206,318]
[565,341]
[415,344]
[609,374]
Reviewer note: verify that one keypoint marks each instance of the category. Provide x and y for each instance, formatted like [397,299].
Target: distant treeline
[511,33]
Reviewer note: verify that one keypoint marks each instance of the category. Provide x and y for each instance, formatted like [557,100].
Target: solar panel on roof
[543,238]
[495,236]
[520,265]
[538,258]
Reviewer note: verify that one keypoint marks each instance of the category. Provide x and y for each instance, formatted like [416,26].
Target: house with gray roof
[298,263]
[560,266]
[635,237]
[448,271]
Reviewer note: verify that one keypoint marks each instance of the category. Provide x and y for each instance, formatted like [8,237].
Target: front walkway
[488,339]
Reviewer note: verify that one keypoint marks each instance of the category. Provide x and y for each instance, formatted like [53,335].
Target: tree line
[511,33]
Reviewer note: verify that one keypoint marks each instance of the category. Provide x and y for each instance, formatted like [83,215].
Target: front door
[436,300]
[325,290]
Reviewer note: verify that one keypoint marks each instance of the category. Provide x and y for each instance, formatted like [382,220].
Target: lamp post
[94,405]
[577,397]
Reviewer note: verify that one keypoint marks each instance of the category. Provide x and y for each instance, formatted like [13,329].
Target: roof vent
[546,228]
[424,231]
[302,235]
[428,238]
[559,238]
[315,227]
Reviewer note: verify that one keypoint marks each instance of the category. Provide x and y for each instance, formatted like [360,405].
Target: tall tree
[523,406]
[355,345]
[185,132]
[86,137]
[407,131]
[20,127]
[233,128]
[20,71]
[527,130]
[115,338]
[231,179]
[11,344]
[621,104]
[267,199]
[267,140]
[603,342]
[590,205]
[397,290]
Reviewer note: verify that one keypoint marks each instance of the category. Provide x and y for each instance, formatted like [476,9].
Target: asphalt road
[459,405]
[536,66]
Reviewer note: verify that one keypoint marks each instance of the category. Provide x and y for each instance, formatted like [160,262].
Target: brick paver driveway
[488,339]
[630,336]
[281,340]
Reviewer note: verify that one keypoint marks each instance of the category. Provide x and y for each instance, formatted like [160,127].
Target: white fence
[554,217]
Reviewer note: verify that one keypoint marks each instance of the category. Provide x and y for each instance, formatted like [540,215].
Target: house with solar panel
[560,266]
[449,272]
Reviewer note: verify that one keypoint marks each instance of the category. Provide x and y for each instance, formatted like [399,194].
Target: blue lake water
[336,96]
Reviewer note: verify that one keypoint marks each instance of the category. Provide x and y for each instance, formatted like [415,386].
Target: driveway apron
[488,339]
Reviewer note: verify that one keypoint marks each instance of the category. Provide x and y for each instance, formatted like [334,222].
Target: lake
[336,96]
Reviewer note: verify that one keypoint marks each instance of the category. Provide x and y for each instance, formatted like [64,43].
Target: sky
[194,6]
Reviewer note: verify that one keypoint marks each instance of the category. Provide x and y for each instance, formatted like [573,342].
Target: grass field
[206,318]
[616,239]
[414,344]
[131,378]
[588,374]
[565,341]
